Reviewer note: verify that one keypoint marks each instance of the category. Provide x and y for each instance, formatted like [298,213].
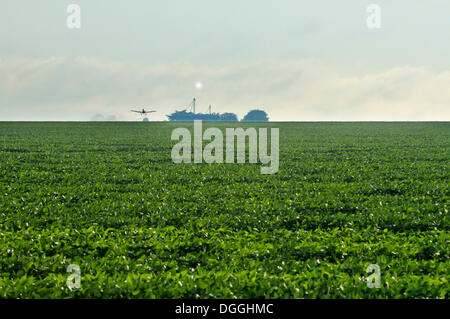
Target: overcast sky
[298,60]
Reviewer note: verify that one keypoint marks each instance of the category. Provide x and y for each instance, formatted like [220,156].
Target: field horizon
[149,122]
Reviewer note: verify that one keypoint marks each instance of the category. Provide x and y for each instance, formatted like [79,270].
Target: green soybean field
[107,197]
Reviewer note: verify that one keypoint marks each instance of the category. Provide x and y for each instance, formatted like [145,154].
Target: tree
[256,116]
[228,117]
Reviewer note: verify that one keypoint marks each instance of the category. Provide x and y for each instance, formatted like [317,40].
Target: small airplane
[143,112]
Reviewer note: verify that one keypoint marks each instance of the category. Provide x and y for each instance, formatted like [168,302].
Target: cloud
[83,88]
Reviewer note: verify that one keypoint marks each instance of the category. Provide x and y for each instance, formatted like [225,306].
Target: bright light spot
[199,85]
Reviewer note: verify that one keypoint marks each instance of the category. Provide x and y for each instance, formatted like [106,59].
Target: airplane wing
[136,111]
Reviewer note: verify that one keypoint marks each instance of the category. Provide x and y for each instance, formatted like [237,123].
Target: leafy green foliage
[255,116]
[106,196]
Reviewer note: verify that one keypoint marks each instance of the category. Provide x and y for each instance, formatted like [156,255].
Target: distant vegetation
[252,116]
[256,116]
[213,117]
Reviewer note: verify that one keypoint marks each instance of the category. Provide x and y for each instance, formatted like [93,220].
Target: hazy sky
[298,60]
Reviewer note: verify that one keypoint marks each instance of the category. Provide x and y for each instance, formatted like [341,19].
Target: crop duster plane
[143,112]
